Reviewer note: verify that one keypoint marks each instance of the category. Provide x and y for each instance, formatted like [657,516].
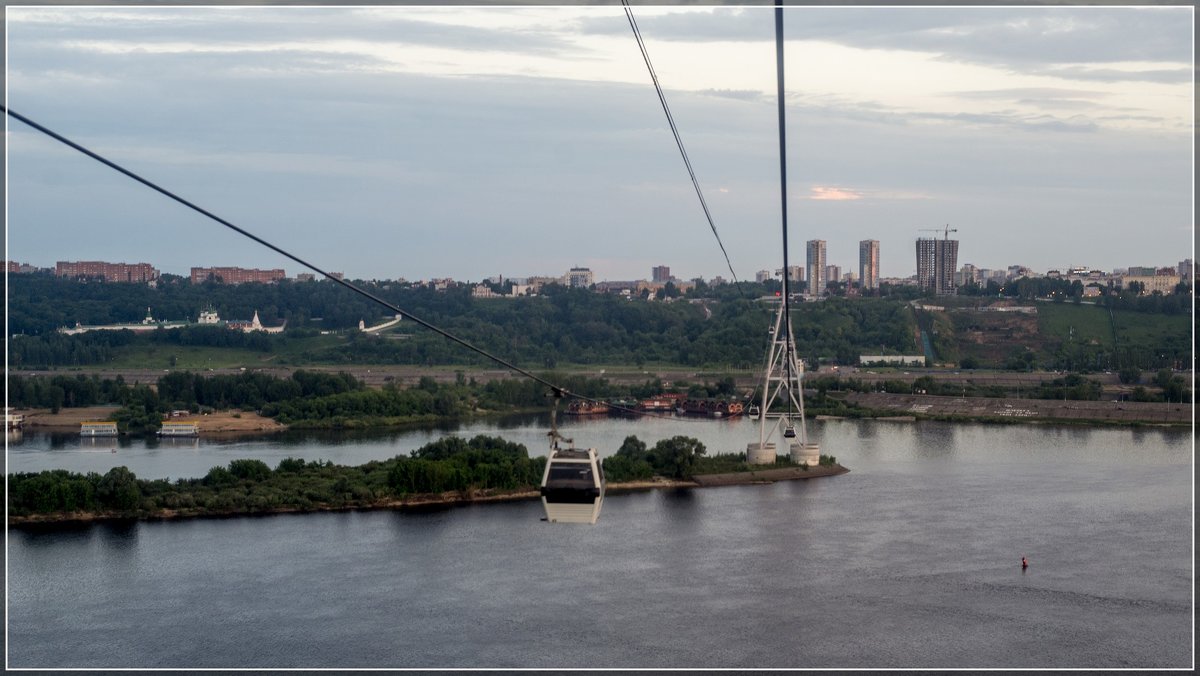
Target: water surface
[910,560]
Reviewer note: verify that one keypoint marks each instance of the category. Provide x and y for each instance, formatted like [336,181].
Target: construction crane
[946,229]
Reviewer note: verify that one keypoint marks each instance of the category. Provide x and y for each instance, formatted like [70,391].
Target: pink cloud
[831,193]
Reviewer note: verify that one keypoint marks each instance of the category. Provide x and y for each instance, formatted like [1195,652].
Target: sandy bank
[68,419]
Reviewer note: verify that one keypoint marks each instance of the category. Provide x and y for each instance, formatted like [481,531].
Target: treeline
[176,390]
[1171,387]
[675,457]
[679,457]
[367,407]
[316,399]
[1178,301]
[61,391]
[249,486]
[561,326]
[250,390]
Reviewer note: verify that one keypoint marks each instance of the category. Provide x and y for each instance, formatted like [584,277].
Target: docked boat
[183,428]
[582,407]
[98,428]
[657,405]
[13,421]
[711,408]
[730,409]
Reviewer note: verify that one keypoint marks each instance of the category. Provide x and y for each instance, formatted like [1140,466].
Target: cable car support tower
[784,375]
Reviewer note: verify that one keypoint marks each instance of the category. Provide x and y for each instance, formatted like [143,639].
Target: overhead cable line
[779,84]
[557,390]
[637,33]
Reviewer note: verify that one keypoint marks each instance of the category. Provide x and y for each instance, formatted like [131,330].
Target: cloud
[517,174]
[737,94]
[1012,36]
[836,194]
[1029,92]
[833,193]
[251,25]
[1157,76]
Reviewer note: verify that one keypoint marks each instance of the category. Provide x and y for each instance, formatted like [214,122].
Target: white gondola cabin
[572,486]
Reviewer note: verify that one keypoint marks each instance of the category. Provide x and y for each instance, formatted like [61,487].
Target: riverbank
[993,409]
[435,500]
[224,422]
[869,405]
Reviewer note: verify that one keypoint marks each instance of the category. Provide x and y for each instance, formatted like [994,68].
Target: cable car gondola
[572,485]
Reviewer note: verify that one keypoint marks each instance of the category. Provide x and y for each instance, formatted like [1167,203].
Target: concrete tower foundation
[761,454]
[809,454]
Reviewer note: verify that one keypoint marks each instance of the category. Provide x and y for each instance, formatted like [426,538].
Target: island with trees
[449,471]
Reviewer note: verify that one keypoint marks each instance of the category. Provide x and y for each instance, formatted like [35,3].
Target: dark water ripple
[910,560]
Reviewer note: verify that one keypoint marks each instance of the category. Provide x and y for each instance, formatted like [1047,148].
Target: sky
[423,142]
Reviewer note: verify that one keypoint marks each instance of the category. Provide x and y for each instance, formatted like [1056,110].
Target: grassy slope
[1090,323]
[1134,328]
[199,358]
[1000,333]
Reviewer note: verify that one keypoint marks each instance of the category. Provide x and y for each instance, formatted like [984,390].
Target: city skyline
[434,142]
[658,274]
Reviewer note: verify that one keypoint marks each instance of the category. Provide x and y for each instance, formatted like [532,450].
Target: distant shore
[225,422]
[996,409]
[866,405]
[436,500]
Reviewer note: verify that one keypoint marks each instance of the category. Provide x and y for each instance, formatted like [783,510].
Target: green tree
[118,489]
[677,456]
[219,476]
[632,448]
[254,470]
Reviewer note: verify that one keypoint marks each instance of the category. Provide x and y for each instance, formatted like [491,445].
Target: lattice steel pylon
[783,382]
[784,373]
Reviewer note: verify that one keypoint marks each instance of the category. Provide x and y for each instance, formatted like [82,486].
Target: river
[910,560]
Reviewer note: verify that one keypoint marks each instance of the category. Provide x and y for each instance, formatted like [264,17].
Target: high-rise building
[816,266]
[969,274]
[762,276]
[1186,269]
[109,272]
[661,273]
[795,273]
[833,273]
[579,278]
[937,260]
[868,263]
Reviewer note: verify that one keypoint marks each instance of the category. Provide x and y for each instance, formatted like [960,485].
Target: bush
[254,470]
[219,476]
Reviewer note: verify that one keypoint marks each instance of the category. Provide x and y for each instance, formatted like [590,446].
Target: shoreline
[890,407]
[434,500]
[1093,413]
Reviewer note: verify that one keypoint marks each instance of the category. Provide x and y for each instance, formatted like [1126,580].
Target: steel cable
[356,289]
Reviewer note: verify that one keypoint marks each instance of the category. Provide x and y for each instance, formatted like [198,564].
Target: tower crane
[946,229]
